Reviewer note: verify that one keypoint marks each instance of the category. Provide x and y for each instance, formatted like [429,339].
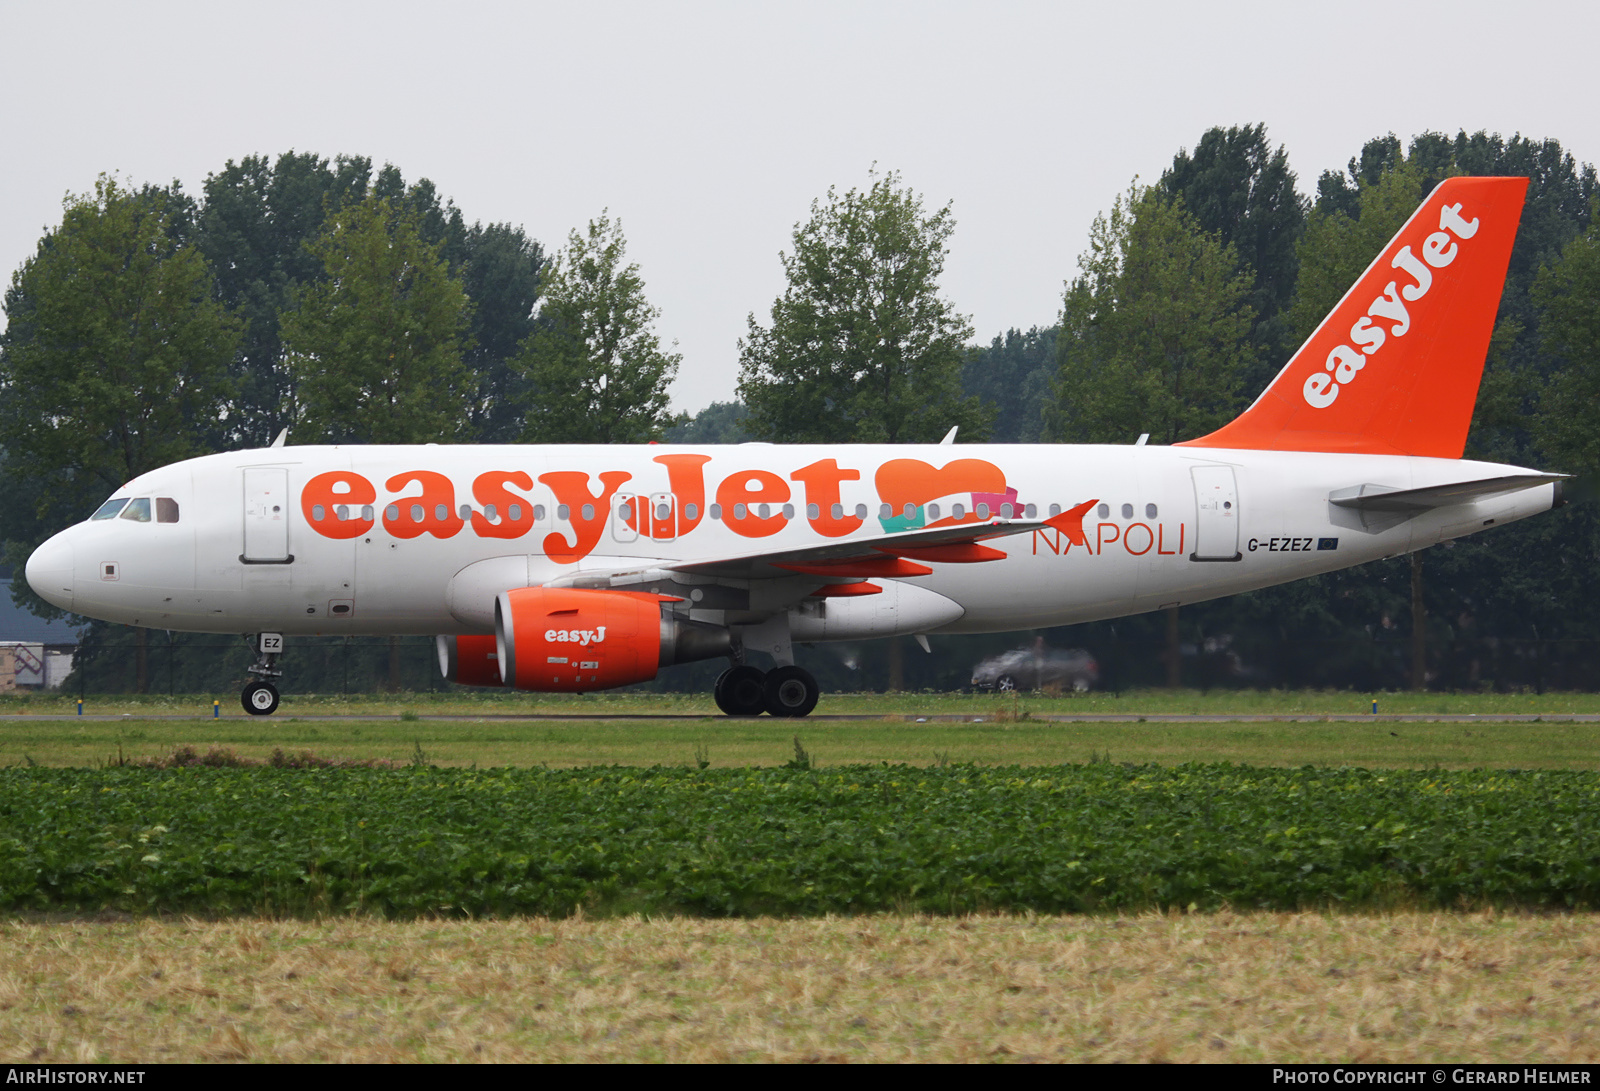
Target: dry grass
[1223,987]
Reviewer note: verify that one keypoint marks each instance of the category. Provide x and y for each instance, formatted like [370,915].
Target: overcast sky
[709,128]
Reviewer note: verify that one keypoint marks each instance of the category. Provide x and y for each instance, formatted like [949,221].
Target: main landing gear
[260,697]
[783,691]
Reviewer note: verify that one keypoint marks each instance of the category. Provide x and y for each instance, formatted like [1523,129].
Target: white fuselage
[1171,525]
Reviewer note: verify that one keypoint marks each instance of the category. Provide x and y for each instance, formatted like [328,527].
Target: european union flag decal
[1327,543]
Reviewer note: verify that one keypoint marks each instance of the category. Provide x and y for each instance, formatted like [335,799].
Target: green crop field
[424,841]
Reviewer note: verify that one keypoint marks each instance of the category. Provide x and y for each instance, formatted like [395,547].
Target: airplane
[580,568]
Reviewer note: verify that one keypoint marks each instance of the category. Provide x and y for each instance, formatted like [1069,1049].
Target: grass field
[466,702]
[1207,987]
[1224,986]
[599,740]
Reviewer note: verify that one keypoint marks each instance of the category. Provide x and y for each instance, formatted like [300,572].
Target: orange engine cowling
[567,640]
[470,660]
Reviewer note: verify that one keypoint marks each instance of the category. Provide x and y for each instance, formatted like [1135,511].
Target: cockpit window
[109,509]
[166,509]
[138,510]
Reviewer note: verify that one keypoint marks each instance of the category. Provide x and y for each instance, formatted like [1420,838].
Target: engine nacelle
[470,660]
[565,640]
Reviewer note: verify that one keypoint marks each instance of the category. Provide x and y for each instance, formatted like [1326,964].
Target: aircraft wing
[905,553]
[894,556]
[861,557]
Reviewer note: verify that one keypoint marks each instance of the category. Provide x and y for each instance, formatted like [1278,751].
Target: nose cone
[49,572]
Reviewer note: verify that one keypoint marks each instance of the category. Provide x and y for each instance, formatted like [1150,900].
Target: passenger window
[1149,511]
[138,510]
[1055,510]
[166,509]
[1127,511]
[109,509]
[1103,511]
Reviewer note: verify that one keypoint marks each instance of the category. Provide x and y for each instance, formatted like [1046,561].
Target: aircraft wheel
[739,691]
[260,698]
[1006,684]
[791,691]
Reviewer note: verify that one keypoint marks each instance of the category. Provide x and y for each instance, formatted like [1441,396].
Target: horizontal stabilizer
[1381,498]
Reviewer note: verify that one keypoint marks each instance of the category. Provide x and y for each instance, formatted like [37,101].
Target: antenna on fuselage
[282,438]
[950,436]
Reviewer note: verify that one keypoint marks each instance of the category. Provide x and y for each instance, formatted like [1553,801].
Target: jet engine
[470,660]
[571,640]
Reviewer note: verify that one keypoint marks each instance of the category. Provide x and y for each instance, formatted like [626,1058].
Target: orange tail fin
[1394,369]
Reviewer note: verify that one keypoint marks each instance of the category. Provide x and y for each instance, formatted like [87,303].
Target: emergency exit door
[1216,499]
[266,516]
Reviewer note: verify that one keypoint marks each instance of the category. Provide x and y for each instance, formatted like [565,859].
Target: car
[1037,667]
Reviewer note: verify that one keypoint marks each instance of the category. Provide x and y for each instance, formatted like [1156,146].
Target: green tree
[374,350]
[257,218]
[115,356]
[1240,189]
[1567,294]
[594,367]
[861,347]
[719,422]
[501,275]
[1155,331]
[1338,246]
[255,226]
[1014,376]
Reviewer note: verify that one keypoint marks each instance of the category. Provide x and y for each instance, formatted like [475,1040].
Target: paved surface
[1046,717]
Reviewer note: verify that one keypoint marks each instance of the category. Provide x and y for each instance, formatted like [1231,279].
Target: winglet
[1395,367]
[1070,522]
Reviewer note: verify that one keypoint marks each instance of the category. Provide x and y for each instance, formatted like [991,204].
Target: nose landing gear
[260,697]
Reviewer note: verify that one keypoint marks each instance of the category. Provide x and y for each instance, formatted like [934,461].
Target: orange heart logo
[903,481]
